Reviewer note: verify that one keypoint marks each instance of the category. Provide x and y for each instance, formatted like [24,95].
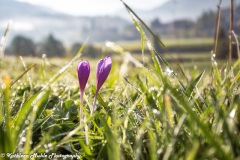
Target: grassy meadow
[149,108]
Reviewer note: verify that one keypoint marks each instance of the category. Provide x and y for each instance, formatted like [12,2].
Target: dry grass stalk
[217,26]
[230,31]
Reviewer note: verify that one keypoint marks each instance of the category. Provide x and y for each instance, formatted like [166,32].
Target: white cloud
[93,7]
[22,26]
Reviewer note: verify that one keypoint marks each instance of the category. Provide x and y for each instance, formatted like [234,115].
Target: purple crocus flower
[83,71]
[103,69]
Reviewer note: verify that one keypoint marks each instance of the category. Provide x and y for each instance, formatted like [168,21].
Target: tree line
[51,46]
[204,26]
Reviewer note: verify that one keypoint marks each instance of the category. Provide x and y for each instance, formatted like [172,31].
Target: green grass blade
[113,147]
[23,113]
[37,125]
[152,145]
[145,25]
[3,41]
[192,153]
[150,46]
[193,85]
[176,133]
[137,149]
[38,104]
[99,98]
[188,109]
[8,136]
[2,140]
[25,72]
[86,148]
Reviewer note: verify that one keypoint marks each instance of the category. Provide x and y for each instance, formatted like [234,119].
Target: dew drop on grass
[150,46]
[23,139]
[26,122]
[169,71]
[49,145]
[232,113]
[46,147]
[152,89]
[213,57]
[159,151]
[155,111]
[225,70]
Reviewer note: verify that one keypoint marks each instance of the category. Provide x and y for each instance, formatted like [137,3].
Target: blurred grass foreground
[147,109]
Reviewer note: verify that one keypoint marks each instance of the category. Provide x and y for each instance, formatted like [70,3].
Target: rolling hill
[37,22]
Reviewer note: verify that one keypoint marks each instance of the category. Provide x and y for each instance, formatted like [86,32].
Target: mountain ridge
[177,9]
[37,22]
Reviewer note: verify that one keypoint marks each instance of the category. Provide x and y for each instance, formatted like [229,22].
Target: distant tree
[88,51]
[21,45]
[156,26]
[53,47]
[155,23]
[205,24]
[223,46]
[158,47]
[129,32]
[183,24]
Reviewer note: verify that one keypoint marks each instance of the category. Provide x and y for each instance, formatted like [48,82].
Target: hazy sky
[94,7]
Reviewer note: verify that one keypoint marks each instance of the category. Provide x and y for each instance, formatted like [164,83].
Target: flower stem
[83,118]
[86,131]
[81,107]
[94,103]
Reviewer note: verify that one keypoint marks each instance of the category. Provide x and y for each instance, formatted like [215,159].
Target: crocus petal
[99,67]
[83,70]
[103,69]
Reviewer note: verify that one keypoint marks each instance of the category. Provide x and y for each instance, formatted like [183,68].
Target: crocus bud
[83,70]
[103,69]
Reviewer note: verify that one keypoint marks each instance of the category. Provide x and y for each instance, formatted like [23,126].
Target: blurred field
[14,63]
[135,46]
